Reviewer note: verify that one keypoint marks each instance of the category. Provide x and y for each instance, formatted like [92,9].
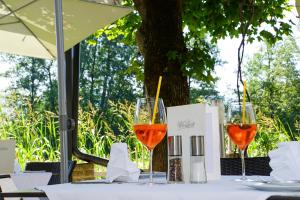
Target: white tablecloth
[29,180]
[224,189]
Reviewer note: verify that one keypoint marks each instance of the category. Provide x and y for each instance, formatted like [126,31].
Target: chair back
[53,167]
[254,166]
[7,153]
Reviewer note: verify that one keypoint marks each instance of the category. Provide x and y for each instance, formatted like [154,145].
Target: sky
[228,53]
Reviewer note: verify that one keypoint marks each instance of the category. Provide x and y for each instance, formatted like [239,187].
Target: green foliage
[104,72]
[201,92]
[231,18]
[200,58]
[104,75]
[125,27]
[36,133]
[98,133]
[274,83]
[258,19]
[32,79]
[205,22]
[270,133]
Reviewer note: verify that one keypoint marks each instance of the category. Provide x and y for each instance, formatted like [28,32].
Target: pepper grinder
[197,162]
[175,174]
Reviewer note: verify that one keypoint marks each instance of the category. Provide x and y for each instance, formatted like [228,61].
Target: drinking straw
[244,105]
[156,99]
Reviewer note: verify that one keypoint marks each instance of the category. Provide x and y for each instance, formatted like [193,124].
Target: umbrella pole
[62,99]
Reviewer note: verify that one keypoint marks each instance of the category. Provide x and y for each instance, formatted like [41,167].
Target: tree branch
[140,36]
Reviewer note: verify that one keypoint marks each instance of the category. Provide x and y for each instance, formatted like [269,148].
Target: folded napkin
[285,161]
[119,167]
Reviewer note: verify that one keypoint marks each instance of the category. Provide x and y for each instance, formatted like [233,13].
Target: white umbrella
[27,27]
[297,4]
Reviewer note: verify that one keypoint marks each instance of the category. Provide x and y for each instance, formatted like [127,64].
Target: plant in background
[97,131]
[274,83]
[270,133]
[35,133]
[37,138]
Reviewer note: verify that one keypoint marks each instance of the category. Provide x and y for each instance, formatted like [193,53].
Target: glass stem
[243,165]
[151,172]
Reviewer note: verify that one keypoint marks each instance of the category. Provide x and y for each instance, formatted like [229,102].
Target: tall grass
[37,137]
[35,134]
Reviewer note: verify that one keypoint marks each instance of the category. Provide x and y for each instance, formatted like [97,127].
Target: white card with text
[197,119]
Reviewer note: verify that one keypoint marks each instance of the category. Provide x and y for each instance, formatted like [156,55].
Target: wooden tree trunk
[159,35]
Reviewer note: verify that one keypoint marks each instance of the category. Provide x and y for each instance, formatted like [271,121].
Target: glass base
[146,182]
[243,179]
[175,182]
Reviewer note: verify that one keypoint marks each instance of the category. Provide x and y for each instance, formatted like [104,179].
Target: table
[223,189]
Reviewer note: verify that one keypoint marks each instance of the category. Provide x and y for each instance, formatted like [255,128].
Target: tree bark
[159,35]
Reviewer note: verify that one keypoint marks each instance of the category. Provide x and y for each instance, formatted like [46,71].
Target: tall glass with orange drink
[241,128]
[150,131]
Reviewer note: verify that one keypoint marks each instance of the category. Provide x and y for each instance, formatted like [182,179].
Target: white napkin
[285,161]
[119,167]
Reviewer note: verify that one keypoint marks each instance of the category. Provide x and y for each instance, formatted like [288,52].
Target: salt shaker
[197,161]
[175,173]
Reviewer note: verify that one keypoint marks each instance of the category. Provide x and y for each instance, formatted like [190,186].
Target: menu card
[197,119]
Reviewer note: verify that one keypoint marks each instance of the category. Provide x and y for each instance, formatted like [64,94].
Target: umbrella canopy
[27,27]
[297,4]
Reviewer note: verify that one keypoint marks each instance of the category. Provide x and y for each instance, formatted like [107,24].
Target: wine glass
[241,128]
[148,130]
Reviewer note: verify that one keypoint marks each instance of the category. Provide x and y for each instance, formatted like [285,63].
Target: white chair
[7,185]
